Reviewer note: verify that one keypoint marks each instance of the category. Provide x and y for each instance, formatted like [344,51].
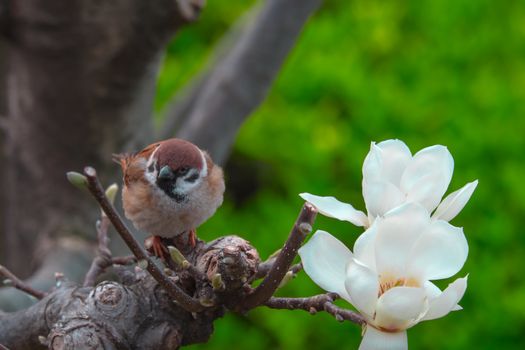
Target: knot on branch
[230,262]
[113,316]
[78,335]
[93,319]
[111,299]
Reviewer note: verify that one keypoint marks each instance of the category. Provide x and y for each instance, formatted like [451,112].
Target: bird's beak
[166,173]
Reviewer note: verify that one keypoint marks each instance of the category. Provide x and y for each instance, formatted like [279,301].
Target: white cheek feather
[183,186]
[204,171]
[151,176]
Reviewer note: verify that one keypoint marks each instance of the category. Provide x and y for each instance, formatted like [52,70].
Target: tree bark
[152,311]
[137,313]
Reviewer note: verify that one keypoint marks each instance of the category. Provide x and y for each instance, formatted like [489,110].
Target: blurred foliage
[427,72]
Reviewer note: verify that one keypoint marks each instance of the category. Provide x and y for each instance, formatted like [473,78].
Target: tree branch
[110,316]
[103,258]
[240,79]
[71,256]
[187,302]
[18,284]
[314,304]
[138,313]
[302,227]
[124,260]
[341,314]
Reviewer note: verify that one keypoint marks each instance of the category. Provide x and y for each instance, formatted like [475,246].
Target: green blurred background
[426,72]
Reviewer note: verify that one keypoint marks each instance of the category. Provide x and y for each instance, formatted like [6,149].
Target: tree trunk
[80,86]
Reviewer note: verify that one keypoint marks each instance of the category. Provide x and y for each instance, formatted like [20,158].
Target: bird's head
[175,166]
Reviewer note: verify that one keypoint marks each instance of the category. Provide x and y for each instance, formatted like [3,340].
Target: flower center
[387,282]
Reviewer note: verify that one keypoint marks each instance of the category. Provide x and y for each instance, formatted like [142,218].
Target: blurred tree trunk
[3,249]
[80,83]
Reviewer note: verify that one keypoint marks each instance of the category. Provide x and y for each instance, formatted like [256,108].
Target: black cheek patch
[167,187]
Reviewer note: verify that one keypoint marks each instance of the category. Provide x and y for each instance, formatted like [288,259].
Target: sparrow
[170,188]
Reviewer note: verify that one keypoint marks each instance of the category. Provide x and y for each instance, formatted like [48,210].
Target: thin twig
[314,304]
[295,269]
[103,259]
[184,300]
[18,284]
[311,304]
[302,227]
[124,260]
[341,314]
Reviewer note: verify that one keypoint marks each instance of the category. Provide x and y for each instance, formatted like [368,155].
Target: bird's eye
[183,170]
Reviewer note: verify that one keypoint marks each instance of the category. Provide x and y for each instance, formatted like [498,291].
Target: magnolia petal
[381,196]
[396,234]
[373,164]
[431,290]
[362,285]
[427,176]
[447,301]
[331,207]
[374,339]
[364,248]
[324,259]
[457,308]
[439,252]
[395,157]
[454,202]
[398,307]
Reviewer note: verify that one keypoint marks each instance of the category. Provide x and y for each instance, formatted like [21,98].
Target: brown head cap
[177,153]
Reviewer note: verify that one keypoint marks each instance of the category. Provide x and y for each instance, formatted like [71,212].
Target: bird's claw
[156,247]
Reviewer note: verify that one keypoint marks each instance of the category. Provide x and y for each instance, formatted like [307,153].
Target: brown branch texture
[162,309]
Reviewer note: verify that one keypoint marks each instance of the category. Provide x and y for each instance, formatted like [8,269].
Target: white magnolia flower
[392,176]
[387,277]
